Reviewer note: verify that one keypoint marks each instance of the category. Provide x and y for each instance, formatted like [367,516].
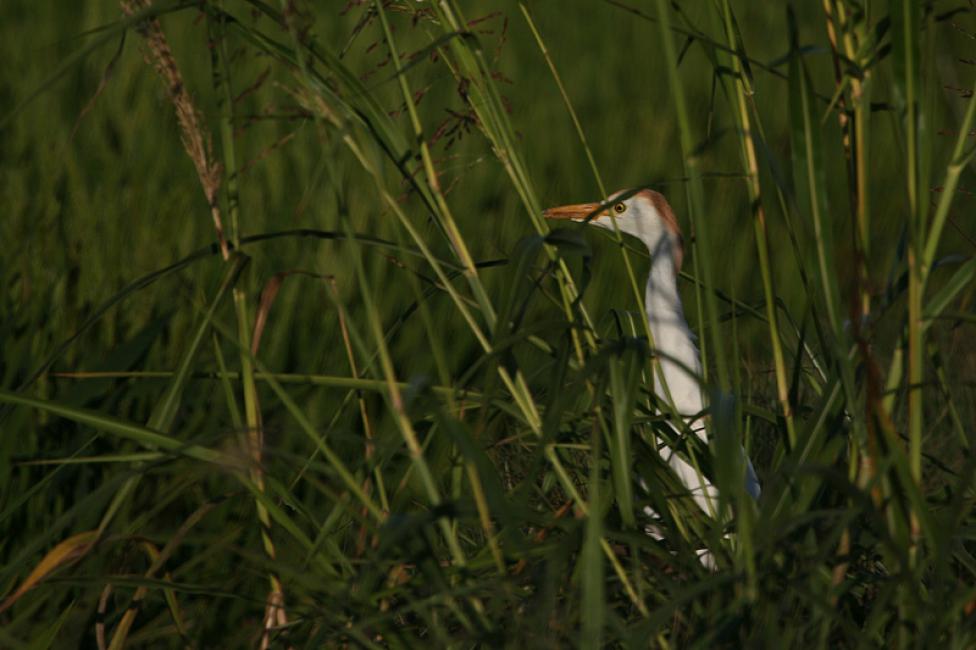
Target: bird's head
[645,214]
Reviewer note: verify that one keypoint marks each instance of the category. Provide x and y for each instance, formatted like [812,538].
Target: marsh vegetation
[290,357]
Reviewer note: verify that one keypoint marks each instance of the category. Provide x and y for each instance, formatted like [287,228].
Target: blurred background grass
[124,212]
[99,192]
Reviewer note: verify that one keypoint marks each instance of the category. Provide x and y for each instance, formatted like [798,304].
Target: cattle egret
[646,215]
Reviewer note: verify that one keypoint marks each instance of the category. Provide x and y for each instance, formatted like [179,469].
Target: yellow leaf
[64,553]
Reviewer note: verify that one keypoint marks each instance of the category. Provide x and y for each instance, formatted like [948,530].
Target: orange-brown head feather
[670,221]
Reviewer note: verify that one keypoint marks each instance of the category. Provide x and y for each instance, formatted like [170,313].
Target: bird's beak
[577,212]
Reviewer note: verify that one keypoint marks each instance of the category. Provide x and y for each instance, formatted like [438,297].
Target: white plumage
[645,214]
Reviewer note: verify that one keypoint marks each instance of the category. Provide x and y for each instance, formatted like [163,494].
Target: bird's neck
[673,341]
[662,300]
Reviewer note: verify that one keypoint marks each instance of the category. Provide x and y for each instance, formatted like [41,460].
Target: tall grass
[304,366]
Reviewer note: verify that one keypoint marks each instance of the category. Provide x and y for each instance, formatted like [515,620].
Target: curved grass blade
[67,552]
[122,429]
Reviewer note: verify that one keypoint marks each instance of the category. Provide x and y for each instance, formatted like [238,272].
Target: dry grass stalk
[199,146]
[196,140]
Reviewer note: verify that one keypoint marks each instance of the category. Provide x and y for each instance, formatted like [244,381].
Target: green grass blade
[120,428]
[165,411]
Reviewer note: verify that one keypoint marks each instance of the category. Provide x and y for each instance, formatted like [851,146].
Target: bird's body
[645,214]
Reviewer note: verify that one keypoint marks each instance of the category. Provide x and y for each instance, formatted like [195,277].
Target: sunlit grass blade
[704,252]
[744,116]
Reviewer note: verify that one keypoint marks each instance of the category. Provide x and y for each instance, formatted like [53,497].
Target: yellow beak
[577,212]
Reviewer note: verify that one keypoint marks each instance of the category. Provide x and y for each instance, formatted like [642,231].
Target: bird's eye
[619,208]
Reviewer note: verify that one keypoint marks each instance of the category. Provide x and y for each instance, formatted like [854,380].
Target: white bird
[646,215]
